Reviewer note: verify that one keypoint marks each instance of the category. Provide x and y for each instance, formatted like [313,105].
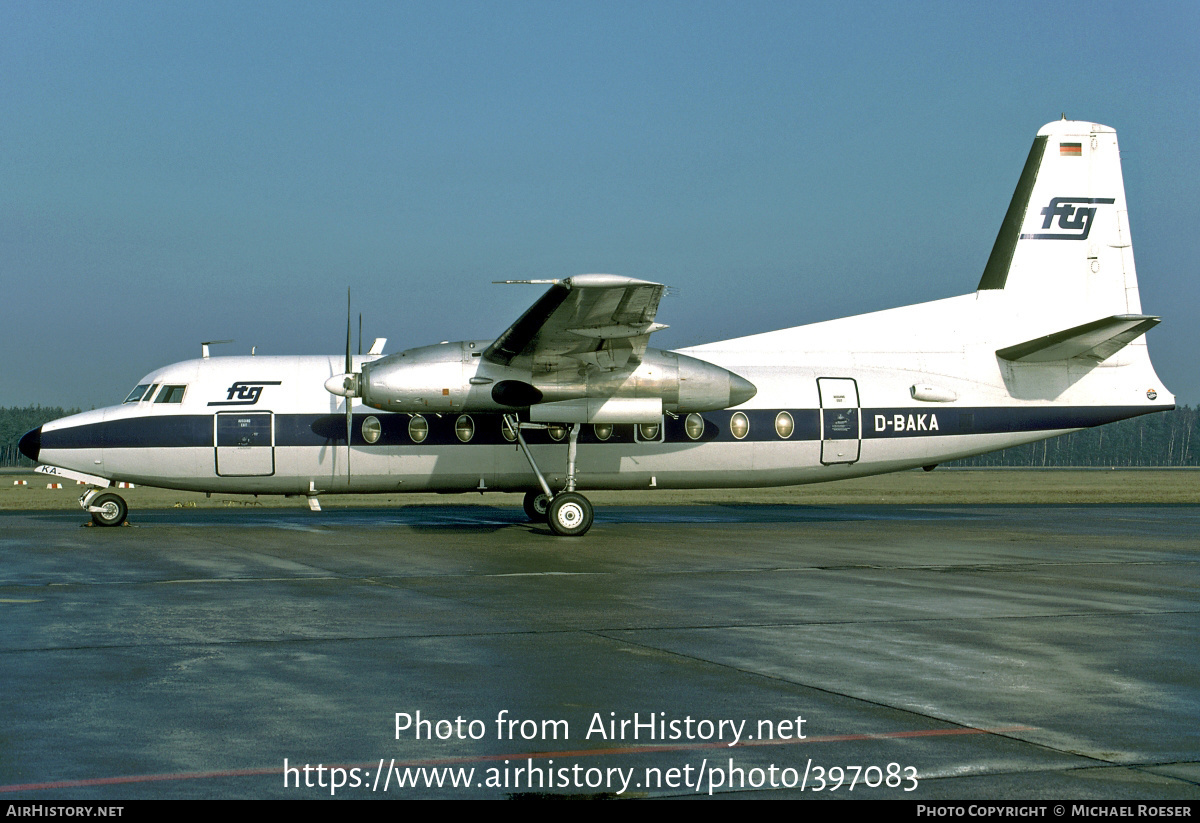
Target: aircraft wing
[600,320]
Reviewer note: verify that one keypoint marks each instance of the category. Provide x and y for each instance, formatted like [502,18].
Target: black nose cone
[31,444]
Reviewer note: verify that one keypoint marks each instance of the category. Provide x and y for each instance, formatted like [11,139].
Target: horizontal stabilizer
[1097,340]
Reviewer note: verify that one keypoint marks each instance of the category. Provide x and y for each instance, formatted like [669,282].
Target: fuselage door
[245,444]
[841,427]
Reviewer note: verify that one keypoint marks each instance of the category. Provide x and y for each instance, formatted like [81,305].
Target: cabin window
[510,434]
[739,425]
[137,393]
[603,431]
[694,426]
[418,429]
[371,429]
[649,432]
[170,394]
[784,425]
[556,432]
[464,428]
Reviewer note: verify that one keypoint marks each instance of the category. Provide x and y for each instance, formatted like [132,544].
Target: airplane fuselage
[914,386]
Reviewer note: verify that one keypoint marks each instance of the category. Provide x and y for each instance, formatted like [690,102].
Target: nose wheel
[106,509]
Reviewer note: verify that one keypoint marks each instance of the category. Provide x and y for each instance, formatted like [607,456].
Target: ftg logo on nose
[1074,216]
[246,393]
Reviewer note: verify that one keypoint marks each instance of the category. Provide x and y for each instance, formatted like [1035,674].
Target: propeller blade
[349,431]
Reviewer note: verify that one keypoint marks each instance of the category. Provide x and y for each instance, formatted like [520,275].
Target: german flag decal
[1070,149]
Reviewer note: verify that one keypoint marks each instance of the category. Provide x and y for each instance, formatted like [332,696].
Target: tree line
[1152,440]
[15,421]
[1163,440]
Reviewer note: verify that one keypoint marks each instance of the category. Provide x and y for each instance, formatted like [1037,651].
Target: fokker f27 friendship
[571,396]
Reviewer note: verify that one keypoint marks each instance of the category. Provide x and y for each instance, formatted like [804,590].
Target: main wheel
[536,504]
[112,510]
[570,514]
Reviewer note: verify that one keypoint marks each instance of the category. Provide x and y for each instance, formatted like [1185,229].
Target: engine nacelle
[453,377]
[684,384]
[429,379]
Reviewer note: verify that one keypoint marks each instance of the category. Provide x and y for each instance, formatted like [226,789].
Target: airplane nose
[31,444]
[740,390]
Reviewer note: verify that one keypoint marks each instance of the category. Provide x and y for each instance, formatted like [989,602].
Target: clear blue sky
[179,172]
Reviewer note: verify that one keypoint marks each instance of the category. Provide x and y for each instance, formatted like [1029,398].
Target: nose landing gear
[106,509]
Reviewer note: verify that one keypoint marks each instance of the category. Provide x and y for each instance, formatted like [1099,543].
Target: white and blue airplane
[571,397]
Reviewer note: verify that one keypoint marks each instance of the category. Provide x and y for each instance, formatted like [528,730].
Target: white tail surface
[1065,240]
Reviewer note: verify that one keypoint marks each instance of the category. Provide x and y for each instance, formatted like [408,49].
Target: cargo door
[245,444]
[841,425]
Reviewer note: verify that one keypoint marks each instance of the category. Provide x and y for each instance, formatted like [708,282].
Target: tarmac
[964,652]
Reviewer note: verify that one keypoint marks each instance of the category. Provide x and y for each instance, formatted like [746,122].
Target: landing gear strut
[568,513]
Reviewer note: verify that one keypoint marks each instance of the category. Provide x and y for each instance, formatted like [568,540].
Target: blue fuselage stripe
[187,430]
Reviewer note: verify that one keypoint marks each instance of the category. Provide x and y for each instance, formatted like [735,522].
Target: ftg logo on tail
[1074,215]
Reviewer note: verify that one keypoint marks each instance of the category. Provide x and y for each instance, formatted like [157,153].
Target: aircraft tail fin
[1065,239]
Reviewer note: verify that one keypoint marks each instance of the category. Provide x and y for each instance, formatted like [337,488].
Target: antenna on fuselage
[204,346]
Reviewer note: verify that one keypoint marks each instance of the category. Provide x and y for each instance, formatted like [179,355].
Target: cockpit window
[170,394]
[137,393]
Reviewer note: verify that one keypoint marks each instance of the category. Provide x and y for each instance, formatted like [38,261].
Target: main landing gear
[536,504]
[568,513]
[106,509]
